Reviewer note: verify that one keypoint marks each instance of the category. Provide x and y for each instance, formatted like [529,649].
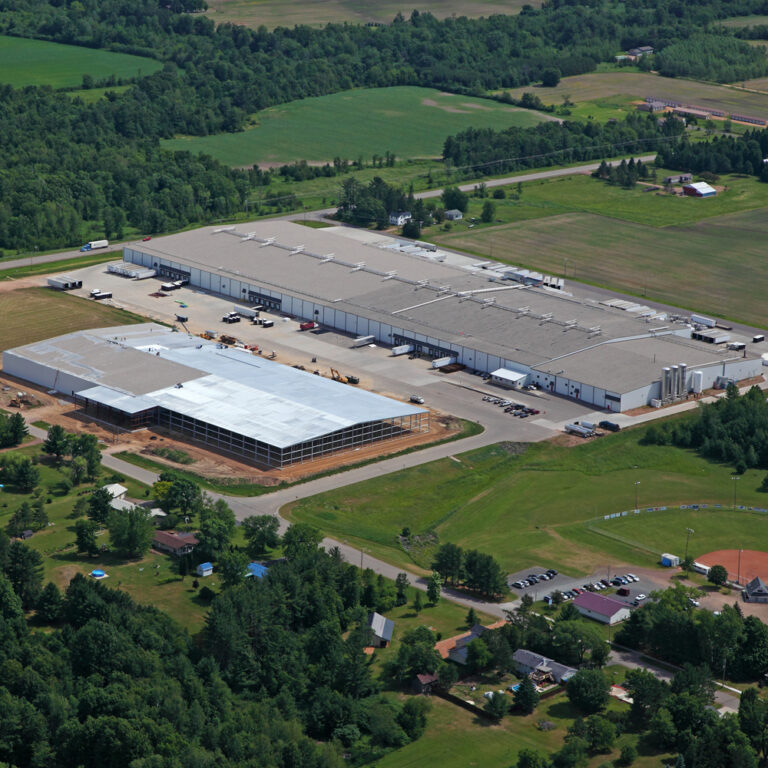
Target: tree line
[733,429]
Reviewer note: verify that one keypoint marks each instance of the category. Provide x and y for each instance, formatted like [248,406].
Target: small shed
[256,570]
[670,561]
[381,630]
[503,377]
[699,189]
[204,569]
[116,490]
[454,215]
[27,534]
[424,684]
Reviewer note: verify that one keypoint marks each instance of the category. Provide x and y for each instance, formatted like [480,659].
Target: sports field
[409,121]
[36,62]
[598,92]
[534,508]
[708,265]
[278,13]
[32,314]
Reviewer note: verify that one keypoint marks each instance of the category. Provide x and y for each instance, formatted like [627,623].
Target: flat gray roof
[462,304]
[230,388]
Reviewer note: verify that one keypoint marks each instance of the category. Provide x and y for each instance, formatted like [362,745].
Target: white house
[118,491]
[399,218]
[604,609]
[540,668]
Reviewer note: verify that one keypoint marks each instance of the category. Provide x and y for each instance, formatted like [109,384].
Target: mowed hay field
[409,121]
[533,509]
[633,85]
[279,13]
[36,62]
[709,265]
[31,314]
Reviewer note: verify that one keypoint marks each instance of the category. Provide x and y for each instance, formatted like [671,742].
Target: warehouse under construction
[488,316]
[144,375]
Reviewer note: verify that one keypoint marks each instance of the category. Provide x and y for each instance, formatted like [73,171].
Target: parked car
[633,577]
[623,591]
[552,572]
[145,239]
[605,582]
[641,596]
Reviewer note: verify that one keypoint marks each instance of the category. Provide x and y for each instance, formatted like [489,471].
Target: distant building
[381,630]
[454,215]
[652,106]
[174,543]
[670,561]
[116,490]
[399,218]
[699,189]
[541,669]
[699,114]
[756,591]
[643,50]
[601,608]
[681,178]
[204,569]
[455,648]
[424,683]
[27,534]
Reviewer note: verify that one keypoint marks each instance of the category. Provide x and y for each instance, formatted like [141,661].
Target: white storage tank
[698,382]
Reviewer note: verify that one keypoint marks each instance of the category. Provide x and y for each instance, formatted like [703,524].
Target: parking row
[512,408]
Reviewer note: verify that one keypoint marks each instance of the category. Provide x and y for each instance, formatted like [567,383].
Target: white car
[693,602]
[633,577]
[641,596]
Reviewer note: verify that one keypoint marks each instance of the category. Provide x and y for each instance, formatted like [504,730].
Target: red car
[144,239]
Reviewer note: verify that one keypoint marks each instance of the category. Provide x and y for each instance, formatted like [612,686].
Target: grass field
[409,121]
[533,509]
[276,13]
[610,94]
[709,266]
[744,21]
[36,62]
[32,314]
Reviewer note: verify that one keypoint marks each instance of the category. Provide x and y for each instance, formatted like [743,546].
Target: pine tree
[526,696]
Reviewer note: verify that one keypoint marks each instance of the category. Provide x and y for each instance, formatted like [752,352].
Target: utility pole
[738,575]
[735,479]
[688,532]
[637,482]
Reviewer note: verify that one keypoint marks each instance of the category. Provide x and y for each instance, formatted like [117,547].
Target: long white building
[610,354]
[145,375]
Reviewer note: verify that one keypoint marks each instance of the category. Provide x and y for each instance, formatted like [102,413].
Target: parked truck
[308,326]
[95,244]
[403,349]
[250,312]
[580,430]
[363,341]
[441,362]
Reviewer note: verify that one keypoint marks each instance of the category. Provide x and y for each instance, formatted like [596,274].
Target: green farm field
[609,94]
[537,508]
[409,121]
[278,13]
[744,21]
[672,249]
[32,314]
[37,62]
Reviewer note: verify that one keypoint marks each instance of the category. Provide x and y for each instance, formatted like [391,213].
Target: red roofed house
[601,608]
[455,648]
[174,543]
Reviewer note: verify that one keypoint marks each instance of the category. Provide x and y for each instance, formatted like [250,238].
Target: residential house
[642,50]
[606,610]
[756,591]
[174,543]
[381,630]
[116,490]
[680,178]
[454,215]
[398,218]
[540,669]
[424,684]
[455,648]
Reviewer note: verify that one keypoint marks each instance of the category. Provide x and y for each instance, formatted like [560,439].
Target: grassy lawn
[538,508]
[744,21]
[92,95]
[244,488]
[277,13]
[36,62]
[32,314]
[409,121]
[51,267]
[688,263]
[628,84]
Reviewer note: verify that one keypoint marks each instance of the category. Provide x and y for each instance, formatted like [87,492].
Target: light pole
[565,267]
[637,482]
[688,532]
[735,479]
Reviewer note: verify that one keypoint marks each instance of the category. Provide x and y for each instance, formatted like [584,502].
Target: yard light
[637,482]
[688,532]
[734,478]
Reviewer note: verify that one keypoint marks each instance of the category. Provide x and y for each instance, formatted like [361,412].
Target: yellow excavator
[336,376]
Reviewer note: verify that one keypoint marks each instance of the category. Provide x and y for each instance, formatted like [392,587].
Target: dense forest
[491,152]
[273,682]
[733,429]
[69,167]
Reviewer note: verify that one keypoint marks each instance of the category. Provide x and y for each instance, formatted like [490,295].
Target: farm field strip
[409,121]
[37,62]
[634,85]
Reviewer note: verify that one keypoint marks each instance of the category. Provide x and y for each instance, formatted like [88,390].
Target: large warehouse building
[610,354]
[144,375]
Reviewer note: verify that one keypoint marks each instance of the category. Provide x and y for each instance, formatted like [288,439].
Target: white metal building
[142,375]
[610,354]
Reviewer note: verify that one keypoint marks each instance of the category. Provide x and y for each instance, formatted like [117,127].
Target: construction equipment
[352,379]
[336,376]
[207,335]
[272,355]
[226,339]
